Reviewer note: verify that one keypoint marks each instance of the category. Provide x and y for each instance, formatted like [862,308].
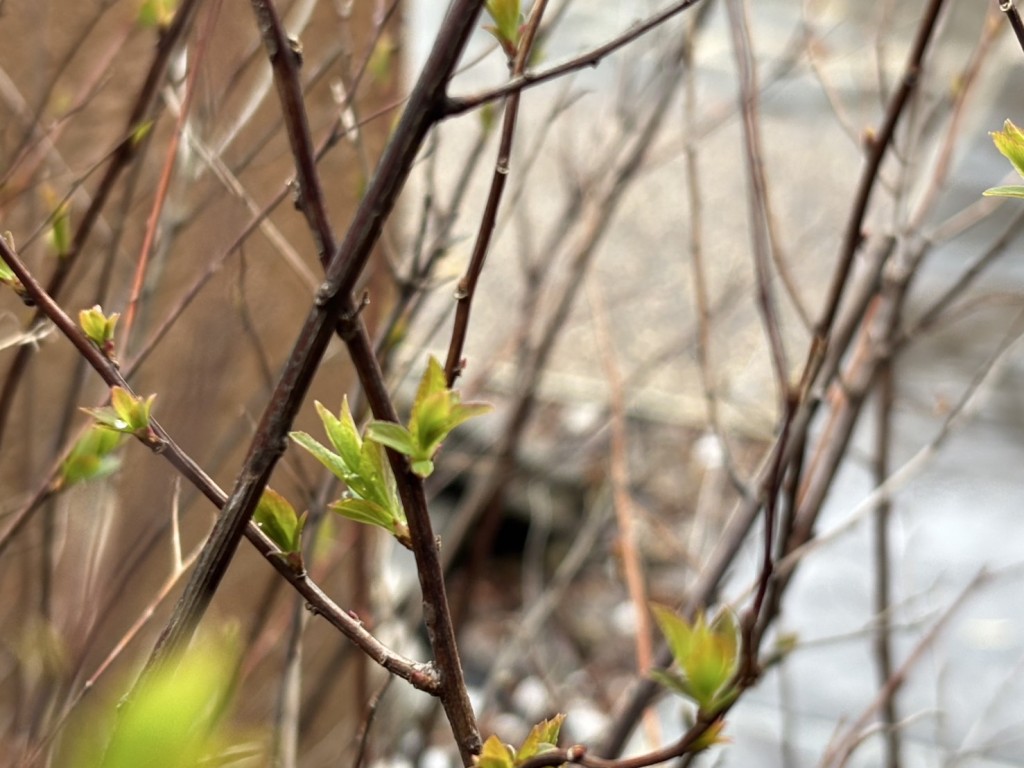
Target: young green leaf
[277,518]
[127,414]
[707,656]
[506,16]
[60,229]
[335,463]
[1011,190]
[157,13]
[362,466]
[99,328]
[342,432]
[436,411]
[394,436]
[91,458]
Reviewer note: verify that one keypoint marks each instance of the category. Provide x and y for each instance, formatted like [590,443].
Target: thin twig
[1013,15]
[458,105]
[467,285]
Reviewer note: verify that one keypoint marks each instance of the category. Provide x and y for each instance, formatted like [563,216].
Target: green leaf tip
[157,13]
[506,15]
[1010,142]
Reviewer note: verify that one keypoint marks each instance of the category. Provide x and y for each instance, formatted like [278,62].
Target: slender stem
[467,285]
[883,560]
[877,150]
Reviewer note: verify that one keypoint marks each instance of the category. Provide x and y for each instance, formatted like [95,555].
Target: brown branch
[466,289]
[877,150]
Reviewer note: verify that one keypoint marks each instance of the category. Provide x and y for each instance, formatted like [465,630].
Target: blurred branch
[122,156]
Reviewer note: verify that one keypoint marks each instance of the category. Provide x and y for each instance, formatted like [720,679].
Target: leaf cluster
[99,328]
[127,414]
[706,656]
[361,464]
[542,738]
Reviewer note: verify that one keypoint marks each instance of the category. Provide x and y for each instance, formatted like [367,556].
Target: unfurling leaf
[361,465]
[91,457]
[126,413]
[543,737]
[495,755]
[506,16]
[1010,141]
[707,656]
[436,411]
[277,518]
[99,328]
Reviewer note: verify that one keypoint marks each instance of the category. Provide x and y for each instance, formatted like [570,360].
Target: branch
[458,105]
[467,285]
[877,150]
[1007,7]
